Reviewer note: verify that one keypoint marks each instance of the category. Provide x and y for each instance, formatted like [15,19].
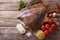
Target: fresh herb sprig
[35,1]
[21,5]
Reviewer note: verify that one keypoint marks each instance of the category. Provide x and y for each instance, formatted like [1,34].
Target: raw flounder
[32,17]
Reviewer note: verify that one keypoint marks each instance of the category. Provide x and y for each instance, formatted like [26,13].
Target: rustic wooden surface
[8,20]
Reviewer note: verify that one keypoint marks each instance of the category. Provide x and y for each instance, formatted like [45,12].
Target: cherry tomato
[50,29]
[42,27]
[50,20]
[46,32]
[47,26]
[53,26]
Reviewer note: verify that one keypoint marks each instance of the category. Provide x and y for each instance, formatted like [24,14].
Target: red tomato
[42,27]
[46,32]
[53,26]
[47,26]
[50,20]
[50,30]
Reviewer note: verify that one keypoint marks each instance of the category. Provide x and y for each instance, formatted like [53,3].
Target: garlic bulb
[20,28]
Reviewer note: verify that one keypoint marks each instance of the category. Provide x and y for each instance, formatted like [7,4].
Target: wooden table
[8,20]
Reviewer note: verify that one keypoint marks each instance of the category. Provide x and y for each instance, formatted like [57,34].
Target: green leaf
[21,5]
[35,1]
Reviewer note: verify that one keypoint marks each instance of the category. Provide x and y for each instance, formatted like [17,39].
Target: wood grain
[11,33]
[9,0]
[8,22]
[10,6]
[26,1]
[4,30]
[50,2]
[13,5]
[9,14]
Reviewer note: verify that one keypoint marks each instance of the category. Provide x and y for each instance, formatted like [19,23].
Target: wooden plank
[4,6]
[8,22]
[13,6]
[10,6]
[15,14]
[14,0]
[24,0]
[11,33]
[50,2]
[58,3]
[9,0]
[9,14]
[47,2]
[4,30]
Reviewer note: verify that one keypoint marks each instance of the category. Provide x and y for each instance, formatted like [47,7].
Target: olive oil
[40,34]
